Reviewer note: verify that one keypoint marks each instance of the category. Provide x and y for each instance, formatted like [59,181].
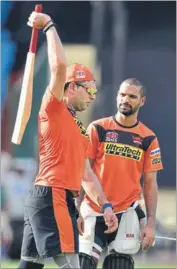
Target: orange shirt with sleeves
[63,145]
[120,157]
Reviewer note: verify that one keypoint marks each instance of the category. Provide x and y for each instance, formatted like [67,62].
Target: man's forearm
[150,191]
[80,199]
[56,54]
[92,187]
[57,63]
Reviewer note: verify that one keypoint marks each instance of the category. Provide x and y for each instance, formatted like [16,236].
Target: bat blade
[25,103]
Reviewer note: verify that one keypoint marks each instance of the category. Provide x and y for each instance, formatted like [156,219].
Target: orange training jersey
[120,156]
[63,145]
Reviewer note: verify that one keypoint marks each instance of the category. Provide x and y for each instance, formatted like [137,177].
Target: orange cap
[78,72]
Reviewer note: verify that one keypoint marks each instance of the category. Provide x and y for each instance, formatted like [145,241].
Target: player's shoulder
[101,122]
[146,131]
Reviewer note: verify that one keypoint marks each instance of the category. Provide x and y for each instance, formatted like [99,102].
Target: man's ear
[143,100]
[72,88]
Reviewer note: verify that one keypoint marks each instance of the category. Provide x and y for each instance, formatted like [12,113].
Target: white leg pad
[86,242]
[127,238]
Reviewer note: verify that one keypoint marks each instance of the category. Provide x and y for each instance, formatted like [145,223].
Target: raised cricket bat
[25,102]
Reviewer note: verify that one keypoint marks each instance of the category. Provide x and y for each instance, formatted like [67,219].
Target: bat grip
[34,35]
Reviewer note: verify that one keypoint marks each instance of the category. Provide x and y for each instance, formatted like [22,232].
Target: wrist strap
[48,25]
[106,205]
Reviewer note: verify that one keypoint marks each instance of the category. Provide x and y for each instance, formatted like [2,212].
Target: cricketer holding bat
[50,228]
[123,151]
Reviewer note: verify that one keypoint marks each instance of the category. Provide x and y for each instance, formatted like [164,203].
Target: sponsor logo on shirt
[155,152]
[123,150]
[156,161]
[81,127]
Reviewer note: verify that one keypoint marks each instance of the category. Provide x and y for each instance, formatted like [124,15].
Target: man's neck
[68,104]
[126,121]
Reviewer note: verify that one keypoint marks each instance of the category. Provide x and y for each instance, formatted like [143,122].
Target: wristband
[106,205]
[48,25]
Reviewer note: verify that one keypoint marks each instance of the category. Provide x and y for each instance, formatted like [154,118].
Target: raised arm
[56,55]
[57,63]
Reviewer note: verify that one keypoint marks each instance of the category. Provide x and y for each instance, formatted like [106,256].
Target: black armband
[48,25]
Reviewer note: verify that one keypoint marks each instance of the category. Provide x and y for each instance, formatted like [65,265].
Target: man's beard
[129,109]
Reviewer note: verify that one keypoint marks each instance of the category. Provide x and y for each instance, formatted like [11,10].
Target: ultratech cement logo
[123,150]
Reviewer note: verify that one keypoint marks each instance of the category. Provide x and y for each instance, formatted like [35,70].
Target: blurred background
[117,40]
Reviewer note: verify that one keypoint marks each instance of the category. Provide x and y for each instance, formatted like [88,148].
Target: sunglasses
[91,90]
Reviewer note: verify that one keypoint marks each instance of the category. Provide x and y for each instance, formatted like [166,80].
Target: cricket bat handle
[34,35]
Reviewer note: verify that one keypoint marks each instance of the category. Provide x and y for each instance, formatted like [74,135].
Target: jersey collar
[72,110]
[134,125]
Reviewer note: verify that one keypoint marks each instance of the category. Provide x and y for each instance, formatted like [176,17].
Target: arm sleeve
[152,159]
[50,106]
[94,141]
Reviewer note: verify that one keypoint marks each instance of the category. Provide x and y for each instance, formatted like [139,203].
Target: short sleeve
[152,160]
[50,105]
[94,141]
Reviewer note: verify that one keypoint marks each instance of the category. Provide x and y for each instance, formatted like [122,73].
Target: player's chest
[77,130]
[116,143]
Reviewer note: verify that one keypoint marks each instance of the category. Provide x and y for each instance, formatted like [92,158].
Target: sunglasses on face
[91,90]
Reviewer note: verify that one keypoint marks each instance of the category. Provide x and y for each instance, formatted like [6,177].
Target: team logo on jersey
[123,150]
[80,74]
[155,152]
[137,140]
[156,161]
[111,137]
